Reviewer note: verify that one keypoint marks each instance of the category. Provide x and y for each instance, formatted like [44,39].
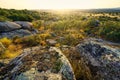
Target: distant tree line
[111,10]
[18,15]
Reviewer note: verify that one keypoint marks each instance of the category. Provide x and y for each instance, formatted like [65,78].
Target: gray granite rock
[18,28]
[25,24]
[51,42]
[20,33]
[38,63]
[101,60]
[8,26]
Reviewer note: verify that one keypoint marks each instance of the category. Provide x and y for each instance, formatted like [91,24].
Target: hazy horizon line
[61,8]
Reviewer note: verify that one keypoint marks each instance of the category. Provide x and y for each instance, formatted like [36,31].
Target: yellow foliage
[45,35]
[17,41]
[77,36]
[5,41]
[43,43]
[57,45]
[19,47]
[81,30]
[9,54]
[80,36]
[41,28]
[12,47]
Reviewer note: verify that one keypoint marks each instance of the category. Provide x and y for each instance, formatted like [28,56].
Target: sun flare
[59,4]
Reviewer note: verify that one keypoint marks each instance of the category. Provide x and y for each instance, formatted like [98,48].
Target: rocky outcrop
[12,29]
[100,60]
[8,26]
[19,33]
[38,63]
[25,24]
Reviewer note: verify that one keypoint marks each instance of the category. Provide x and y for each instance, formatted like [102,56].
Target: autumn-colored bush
[57,45]
[80,69]
[29,41]
[44,36]
[14,47]
[42,43]
[38,24]
[71,39]
[5,41]
[9,54]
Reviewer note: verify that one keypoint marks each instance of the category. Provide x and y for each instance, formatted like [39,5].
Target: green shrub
[110,31]
[30,41]
[39,23]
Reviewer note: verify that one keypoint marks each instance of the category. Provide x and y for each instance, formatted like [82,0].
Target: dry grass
[81,71]
[9,54]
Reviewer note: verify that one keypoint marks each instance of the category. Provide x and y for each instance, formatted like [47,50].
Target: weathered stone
[20,33]
[53,34]
[100,59]
[38,66]
[12,29]
[25,24]
[97,23]
[51,42]
[8,26]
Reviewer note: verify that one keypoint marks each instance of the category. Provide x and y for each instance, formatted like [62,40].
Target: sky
[58,4]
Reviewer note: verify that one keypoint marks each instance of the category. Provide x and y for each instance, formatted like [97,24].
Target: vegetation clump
[110,31]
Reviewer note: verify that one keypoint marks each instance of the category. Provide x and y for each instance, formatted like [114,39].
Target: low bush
[5,41]
[110,31]
[9,54]
[30,41]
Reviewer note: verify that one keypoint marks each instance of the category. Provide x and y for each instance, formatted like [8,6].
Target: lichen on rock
[102,61]
[38,63]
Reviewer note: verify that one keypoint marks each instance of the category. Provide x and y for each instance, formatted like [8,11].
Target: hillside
[59,45]
[18,15]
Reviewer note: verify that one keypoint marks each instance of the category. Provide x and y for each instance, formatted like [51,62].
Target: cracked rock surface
[100,59]
[38,63]
[18,28]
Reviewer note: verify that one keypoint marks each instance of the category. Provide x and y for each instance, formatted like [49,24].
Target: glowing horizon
[59,4]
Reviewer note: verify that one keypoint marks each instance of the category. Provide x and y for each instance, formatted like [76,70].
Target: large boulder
[19,33]
[25,24]
[38,63]
[18,28]
[8,26]
[99,60]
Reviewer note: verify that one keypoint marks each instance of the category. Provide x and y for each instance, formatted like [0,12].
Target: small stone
[51,42]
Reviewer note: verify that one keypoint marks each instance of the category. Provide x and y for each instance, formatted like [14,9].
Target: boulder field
[96,60]
[38,63]
[17,28]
